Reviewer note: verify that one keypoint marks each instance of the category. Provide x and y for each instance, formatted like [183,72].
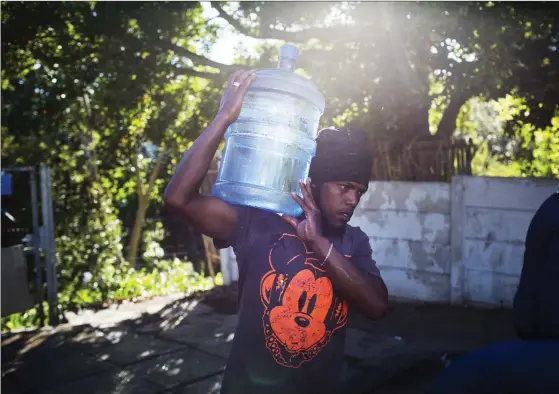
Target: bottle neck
[286,64]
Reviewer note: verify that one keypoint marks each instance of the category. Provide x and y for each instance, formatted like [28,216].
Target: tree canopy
[110,94]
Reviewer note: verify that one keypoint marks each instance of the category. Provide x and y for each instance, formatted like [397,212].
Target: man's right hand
[234,94]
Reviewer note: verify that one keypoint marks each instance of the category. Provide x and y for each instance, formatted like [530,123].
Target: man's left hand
[310,228]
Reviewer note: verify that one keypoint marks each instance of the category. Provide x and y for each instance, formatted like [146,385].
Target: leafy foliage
[166,277]
[383,65]
[528,151]
[110,94]
[93,89]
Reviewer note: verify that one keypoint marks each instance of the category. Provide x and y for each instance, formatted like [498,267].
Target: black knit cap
[342,155]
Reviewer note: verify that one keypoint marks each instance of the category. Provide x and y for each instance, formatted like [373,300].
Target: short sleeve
[362,255]
[240,237]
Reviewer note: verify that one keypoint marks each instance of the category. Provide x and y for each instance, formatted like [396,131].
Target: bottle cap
[289,51]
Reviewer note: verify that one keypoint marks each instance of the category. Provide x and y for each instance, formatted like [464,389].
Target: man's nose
[352,198]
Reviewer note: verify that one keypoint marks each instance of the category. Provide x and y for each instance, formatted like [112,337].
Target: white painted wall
[490,221]
[409,228]
[437,242]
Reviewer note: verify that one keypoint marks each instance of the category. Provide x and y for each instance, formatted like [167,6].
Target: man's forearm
[194,165]
[369,296]
[196,162]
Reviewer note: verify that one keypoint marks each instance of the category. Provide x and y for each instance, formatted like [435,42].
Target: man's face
[337,201]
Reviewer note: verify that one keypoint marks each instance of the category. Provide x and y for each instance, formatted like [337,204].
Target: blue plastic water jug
[270,146]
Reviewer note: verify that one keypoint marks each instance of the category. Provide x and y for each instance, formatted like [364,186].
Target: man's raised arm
[208,215]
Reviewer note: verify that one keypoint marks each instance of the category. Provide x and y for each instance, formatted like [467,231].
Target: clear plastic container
[270,146]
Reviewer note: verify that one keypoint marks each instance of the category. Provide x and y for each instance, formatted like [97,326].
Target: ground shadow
[163,352]
[183,348]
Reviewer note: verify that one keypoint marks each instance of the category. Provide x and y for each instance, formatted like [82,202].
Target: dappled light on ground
[183,348]
[155,352]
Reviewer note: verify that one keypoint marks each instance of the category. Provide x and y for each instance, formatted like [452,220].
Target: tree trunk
[135,238]
[447,125]
[212,257]
[143,204]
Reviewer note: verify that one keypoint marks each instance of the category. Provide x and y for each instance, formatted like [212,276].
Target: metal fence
[41,240]
[422,161]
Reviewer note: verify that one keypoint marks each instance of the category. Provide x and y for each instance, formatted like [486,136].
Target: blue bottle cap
[289,51]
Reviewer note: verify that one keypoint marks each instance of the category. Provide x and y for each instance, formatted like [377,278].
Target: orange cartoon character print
[301,310]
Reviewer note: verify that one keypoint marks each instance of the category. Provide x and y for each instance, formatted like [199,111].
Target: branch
[233,22]
[268,33]
[201,74]
[447,125]
[156,169]
[197,59]
[83,101]
[139,182]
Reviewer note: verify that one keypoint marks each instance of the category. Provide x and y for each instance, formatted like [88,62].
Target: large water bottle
[271,145]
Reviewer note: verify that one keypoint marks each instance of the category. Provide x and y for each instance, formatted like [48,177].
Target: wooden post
[212,257]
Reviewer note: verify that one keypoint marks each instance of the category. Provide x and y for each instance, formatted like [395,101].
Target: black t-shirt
[291,331]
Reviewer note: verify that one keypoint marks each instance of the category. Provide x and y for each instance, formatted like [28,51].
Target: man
[296,275]
[536,310]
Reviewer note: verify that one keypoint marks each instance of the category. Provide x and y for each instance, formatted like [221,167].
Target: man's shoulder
[356,240]
[251,223]
[356,233]
[259,221]
[256,213]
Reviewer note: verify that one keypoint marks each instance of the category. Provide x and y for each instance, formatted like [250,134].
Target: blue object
[511,367]
[270,146]
[289,51]
[6,184]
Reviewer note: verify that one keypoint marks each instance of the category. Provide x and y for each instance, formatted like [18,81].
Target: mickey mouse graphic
[301,310]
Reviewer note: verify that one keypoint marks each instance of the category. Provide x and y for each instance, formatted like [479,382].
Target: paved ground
[174,345]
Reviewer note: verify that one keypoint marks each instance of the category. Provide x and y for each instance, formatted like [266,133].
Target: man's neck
[330,231]
[327,228]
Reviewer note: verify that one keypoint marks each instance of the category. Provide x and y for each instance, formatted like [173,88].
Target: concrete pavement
[180,345]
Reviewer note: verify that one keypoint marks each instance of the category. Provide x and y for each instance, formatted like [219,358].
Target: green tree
[110,94]
[107,94]
[405,70]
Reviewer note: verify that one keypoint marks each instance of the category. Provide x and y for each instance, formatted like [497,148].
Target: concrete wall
[409,228]
[461,242]
[490,220]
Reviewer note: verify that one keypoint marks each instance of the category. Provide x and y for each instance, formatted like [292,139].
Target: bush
[124,283]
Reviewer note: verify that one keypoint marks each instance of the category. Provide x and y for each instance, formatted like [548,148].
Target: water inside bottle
[271,145]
